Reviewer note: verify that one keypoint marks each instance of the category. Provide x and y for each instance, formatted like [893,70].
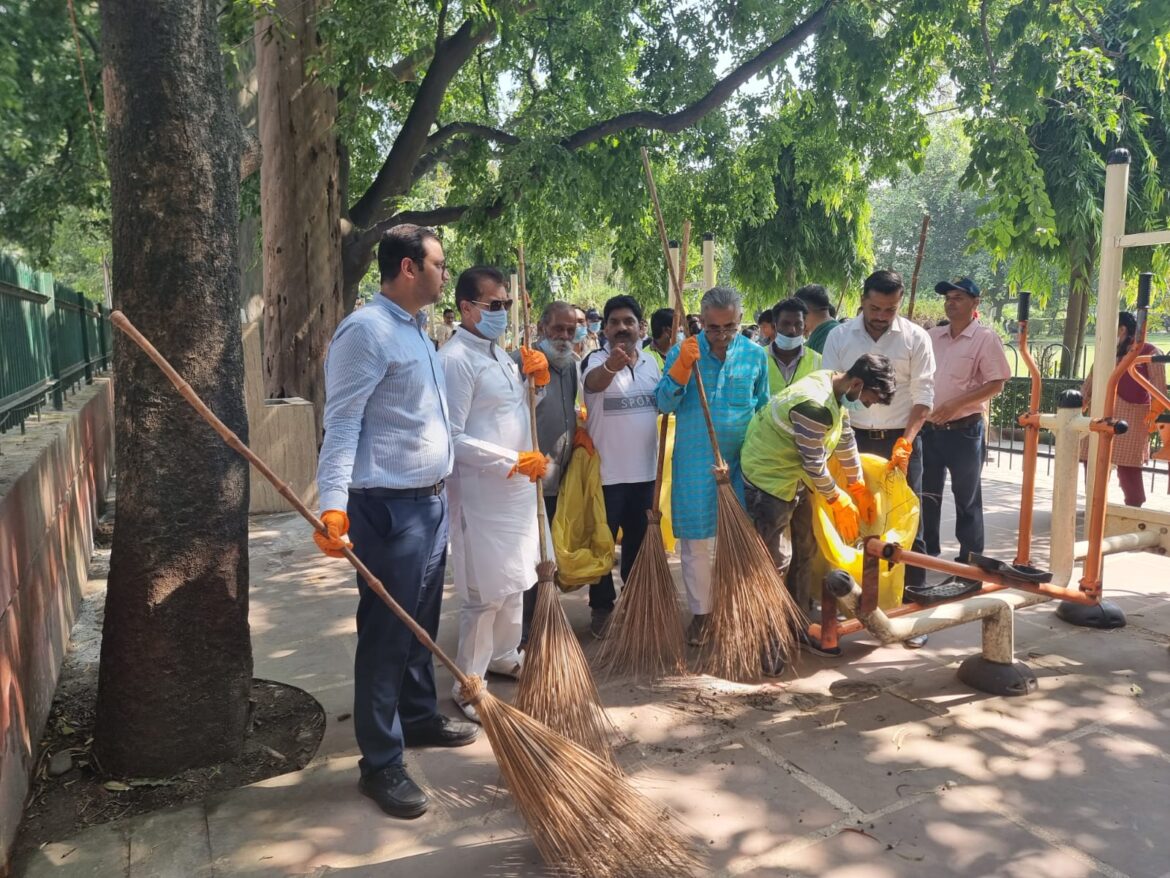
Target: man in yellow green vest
[785,455]
[789,358]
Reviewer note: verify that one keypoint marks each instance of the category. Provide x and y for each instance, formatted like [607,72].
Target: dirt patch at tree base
[69,792]
[286,728]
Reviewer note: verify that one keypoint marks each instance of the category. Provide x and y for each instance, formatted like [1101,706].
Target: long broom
[556,686]
[645,636]
[584,818]
[753,614]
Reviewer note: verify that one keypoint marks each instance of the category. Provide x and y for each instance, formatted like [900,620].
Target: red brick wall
[47,518]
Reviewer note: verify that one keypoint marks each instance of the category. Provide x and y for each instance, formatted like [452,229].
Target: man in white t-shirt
[622,424]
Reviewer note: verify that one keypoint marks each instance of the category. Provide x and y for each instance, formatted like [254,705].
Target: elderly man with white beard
[556,412]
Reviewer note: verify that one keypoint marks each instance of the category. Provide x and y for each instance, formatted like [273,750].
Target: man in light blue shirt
[380,475]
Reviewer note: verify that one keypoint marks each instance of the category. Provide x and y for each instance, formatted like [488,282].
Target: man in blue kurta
[735,377]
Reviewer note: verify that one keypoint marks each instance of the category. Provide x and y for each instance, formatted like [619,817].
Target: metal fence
[52,339]
[1005,439]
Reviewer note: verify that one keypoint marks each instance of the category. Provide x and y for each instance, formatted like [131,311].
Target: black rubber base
[1103,615]
[995,678]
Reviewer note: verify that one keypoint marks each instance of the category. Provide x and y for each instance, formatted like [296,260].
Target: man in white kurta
[493,501]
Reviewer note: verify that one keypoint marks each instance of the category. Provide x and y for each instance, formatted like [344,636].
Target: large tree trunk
[300,205]
[1080,276]
[176,660]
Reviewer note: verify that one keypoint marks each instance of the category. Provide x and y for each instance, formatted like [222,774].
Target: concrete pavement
[877,764]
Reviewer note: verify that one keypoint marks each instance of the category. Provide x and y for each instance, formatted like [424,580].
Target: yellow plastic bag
[580,533]
[896,522]
[664,497]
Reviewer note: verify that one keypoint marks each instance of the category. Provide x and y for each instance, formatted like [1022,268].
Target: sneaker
[466,707]
[510,669]
[811,644]
[598,622]
[698,630]
[916,642]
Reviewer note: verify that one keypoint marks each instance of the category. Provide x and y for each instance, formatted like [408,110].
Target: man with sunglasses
[735,377]
[380,476]
[494,534]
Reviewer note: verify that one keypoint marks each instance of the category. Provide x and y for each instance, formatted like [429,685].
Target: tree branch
[439,216]
[406,69]
[394,176]
[719,94]
[454,129]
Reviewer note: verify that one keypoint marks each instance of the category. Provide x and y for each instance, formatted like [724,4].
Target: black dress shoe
[395,792]
[440,731]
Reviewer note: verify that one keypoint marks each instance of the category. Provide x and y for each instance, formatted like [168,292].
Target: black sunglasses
[497,305]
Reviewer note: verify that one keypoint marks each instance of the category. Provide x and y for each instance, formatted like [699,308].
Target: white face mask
[788,343]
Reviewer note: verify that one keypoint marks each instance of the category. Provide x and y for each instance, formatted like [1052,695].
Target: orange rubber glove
[688,355]
[535,363]
[337,524]
[581,439]
[900,456]
[845,517]
[866,507]
[532,464]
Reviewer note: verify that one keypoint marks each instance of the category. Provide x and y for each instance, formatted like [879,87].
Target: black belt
[957,424]
[400,493]
[879,434]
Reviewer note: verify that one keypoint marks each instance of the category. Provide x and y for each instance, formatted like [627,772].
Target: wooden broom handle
[541,513]
[664,425]
[233,441]
[676,282]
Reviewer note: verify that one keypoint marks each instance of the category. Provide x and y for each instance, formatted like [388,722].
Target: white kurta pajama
[494,548]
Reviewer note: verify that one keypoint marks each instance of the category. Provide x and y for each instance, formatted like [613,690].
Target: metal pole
[1108,294]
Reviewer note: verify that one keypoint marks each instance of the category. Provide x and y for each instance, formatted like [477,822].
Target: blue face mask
[787,343]
[594,328]
[579,335]
[852,405]
[681,337]
[492,324]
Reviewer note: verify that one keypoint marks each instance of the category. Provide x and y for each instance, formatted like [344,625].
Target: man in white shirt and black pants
[890,431]
[622,422]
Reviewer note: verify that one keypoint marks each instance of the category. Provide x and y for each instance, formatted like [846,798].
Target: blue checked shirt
[386,422]
[736,387]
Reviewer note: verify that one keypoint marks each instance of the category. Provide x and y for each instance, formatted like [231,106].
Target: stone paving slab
[880,763]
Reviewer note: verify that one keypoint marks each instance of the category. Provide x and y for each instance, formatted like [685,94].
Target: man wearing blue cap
[970,368]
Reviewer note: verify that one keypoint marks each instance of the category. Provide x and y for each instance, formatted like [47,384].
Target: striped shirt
[386,423]
[810,427]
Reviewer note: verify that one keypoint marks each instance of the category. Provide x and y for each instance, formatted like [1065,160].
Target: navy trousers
[404,543]
[625,508]
[960,453]
[883,447]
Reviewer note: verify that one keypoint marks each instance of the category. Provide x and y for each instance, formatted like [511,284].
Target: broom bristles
[644,637]
[753,612]
[584,818]
[556,686]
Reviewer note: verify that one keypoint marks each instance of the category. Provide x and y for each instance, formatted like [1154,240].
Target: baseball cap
[964,284]
[592,314]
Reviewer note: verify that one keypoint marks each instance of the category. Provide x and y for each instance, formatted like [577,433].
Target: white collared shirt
[622,420]
[908,348]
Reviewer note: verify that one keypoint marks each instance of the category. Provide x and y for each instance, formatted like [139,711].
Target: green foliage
[48,158]
[1084,80]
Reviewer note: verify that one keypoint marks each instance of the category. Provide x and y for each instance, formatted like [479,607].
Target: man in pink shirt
[970,368]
